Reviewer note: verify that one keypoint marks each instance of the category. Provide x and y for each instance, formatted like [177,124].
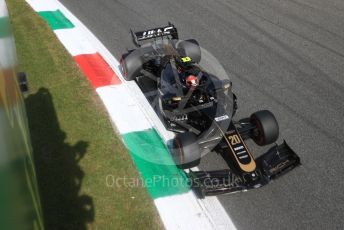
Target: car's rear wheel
[185,150]
[131,65]
[266,127]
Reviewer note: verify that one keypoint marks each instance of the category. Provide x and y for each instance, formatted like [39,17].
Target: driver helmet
[191,81]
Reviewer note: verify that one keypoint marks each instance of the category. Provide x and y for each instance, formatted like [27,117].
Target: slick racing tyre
[185,150]
[131,64]
[190,48]
[267,130]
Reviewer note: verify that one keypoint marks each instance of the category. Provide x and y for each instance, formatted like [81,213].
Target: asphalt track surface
[283,55]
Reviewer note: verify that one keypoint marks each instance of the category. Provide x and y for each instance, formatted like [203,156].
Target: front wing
[279,160]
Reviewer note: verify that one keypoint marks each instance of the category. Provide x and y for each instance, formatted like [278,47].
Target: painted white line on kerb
[43,5]
[174,212]
[74,43]
[125,113]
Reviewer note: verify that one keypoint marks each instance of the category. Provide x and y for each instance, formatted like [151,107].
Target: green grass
[74,144]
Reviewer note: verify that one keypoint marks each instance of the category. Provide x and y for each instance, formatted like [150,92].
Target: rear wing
[160,32]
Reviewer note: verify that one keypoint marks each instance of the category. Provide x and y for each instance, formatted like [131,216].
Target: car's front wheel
[266,129]
[185,150]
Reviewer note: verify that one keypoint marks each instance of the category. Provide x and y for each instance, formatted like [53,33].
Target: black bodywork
[206,111]
[246,174]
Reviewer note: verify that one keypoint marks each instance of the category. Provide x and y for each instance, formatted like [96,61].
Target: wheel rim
[180,152]
[260,137]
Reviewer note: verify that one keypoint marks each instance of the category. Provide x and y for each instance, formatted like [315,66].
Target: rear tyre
[267,130]
[131,65]
[185,150]
[190,48]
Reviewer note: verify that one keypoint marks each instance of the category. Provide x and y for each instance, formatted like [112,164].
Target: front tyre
[185,150]
[267,129]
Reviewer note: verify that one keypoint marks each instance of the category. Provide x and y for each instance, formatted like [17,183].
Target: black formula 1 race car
[199,107]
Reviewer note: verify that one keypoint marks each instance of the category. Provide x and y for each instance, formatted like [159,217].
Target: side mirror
[223,85]
[227,84]
[22,81]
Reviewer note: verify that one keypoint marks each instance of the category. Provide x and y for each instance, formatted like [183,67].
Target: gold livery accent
[234,139]
[251,166]
[279,166]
